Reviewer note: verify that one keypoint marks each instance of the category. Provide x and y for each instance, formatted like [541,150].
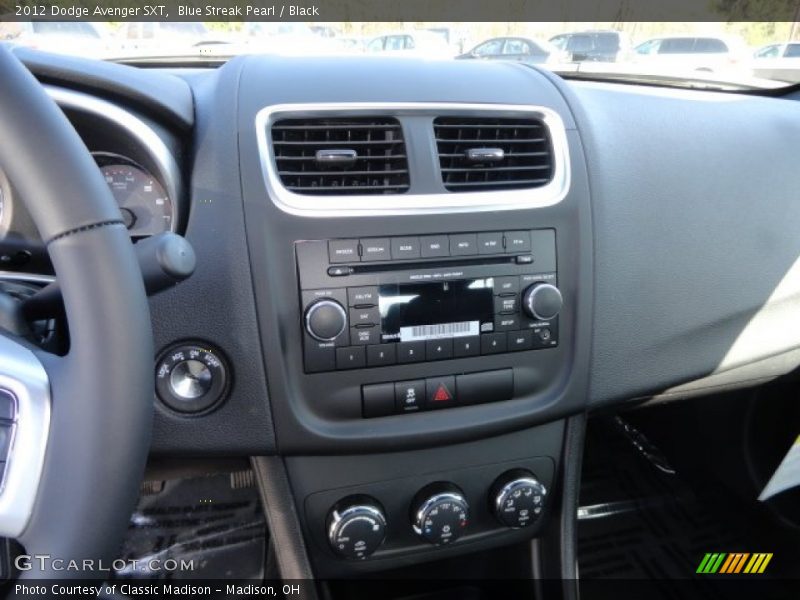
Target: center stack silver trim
[411,204]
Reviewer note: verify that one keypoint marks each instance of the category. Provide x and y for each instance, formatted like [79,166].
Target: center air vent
[347,156]
[482,154]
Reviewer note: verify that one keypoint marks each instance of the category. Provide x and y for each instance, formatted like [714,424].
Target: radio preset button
[409,395]
[410,352]
[493,343]
[506,285]
[518,241]
[364,335]
[405,247]
[520,340]
[365,316]
[375,249]
[490,243]
[342,251]
[466,346]
[440,392]
[362,296]
[434,246]
[463,244]
[505,304]
[438,349]
[381,355]
[351,357]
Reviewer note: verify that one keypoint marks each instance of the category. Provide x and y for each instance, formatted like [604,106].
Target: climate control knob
[517,499]
[356,527]
[325,320]
[439,513]
[542,301]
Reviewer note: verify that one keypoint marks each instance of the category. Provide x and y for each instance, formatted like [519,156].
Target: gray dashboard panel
[696,205]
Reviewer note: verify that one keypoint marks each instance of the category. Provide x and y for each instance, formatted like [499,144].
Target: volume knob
[325,320]
[542,301]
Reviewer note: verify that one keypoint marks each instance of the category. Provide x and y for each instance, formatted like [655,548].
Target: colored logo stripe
[735,562]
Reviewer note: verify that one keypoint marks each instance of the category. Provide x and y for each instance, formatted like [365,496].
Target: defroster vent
[483,154]
[353,155]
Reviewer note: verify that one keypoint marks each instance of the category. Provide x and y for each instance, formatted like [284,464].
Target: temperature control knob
[542,301]
[440,513]
[517,499]
[325,320]
[356,527]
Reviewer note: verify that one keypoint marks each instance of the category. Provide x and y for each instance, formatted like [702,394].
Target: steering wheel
[79,425]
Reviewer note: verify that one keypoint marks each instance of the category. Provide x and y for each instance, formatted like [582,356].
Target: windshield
[738,54]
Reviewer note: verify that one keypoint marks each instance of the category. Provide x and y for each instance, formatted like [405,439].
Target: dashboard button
[378,400]
[351,357]
[319,358]
[405,247]
[489,386]
[492,343]
[438,349]
[463,244]
[466,346]
[506,285]
[505,304]
[434,246]
[365,316]
[375,249]
[363,296]
[339,271]
[409,395]
[410,352]
[364,335]
[518,241]
[490,243]
[342,251]
[501,323]
[440,392]
[520,340]
[381,355]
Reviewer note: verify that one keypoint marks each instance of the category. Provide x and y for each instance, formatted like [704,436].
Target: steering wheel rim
[92,408]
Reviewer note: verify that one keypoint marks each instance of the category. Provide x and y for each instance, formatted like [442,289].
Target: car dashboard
[413,277]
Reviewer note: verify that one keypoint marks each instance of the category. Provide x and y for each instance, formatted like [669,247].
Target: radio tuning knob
[325,320]
[542,301]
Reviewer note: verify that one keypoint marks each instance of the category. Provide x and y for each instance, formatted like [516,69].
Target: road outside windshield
[743,54]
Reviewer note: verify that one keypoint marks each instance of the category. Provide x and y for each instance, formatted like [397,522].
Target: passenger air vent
[360,155]
[482,154]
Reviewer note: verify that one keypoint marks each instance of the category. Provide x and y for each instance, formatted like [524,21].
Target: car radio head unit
[378,302]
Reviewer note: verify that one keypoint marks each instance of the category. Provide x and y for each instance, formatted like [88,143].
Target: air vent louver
[483,154]
[353,155]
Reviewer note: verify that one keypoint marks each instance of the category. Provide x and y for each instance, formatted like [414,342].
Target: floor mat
[208,527]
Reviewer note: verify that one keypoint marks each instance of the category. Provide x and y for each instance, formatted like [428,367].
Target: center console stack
[423,280]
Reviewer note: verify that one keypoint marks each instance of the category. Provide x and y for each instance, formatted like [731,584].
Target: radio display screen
[426,311]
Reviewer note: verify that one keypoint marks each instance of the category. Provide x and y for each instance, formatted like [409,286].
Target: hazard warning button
[440,392]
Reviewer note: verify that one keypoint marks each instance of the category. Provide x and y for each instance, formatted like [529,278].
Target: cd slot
[359,269]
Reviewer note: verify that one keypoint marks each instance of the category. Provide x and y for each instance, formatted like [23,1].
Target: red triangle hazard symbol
[442,394]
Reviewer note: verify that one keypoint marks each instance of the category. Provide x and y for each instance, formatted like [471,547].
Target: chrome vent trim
[412,202]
